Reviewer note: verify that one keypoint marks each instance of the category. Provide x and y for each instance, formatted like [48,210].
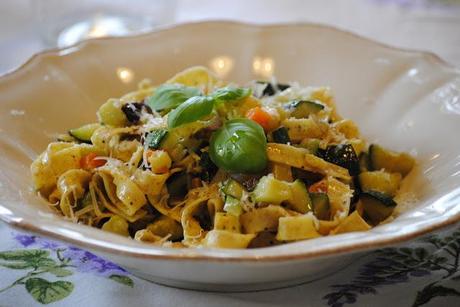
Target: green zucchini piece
[233,188]
[391,161]
[303,108]
[300,200]
[281,135]
[233,206]
[271,190]
[311,144]
[380,181]
[110,113]
[154,138]
[377,206]
[321,207]
[84,132]
[364,163]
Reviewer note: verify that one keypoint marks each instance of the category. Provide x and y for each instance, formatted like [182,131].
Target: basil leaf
[154,138]
[231,94]
[239,146]
[193,109]
[169,96]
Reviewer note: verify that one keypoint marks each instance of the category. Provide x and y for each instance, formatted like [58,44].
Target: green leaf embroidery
[431,291]
[59,272]
[193,109]
[24,259]
[24,254]
[46,292]
[17,265]
[169,96]
[125,280]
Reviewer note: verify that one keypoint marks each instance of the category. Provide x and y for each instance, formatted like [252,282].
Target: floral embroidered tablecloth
[37,271]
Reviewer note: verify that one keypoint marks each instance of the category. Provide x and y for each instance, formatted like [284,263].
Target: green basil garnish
[230,94]
[154,138]
[191,110]
[239,146]
[169,96]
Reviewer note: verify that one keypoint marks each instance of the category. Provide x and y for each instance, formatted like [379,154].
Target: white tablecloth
[36,271]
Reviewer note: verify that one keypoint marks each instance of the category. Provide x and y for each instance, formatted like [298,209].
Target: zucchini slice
[233,206]
[303,108]
[233,188]
[84,132]
[364,163]
[380,181]
[281,135]
[377,206]
[321,207]
[391,161]
[300,200]
[154,138]
[271,190]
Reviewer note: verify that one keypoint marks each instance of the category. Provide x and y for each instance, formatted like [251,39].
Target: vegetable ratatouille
[196,162]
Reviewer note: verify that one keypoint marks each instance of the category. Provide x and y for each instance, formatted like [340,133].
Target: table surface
[424,272]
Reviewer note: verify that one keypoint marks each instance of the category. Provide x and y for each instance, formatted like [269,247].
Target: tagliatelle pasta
[197,162]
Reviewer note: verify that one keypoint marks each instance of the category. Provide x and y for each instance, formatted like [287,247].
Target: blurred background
[30,26]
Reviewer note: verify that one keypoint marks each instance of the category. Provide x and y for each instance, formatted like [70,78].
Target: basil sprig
[191,110]
[239,146]
[198,107]
[169,96]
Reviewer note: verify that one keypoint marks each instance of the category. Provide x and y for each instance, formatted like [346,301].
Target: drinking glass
[63,23]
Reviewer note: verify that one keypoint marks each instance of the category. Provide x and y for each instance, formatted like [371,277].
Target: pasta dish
[198,162]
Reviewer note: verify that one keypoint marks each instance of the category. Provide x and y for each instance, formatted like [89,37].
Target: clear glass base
[99,26]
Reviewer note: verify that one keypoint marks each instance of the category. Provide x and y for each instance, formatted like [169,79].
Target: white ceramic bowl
[405,100]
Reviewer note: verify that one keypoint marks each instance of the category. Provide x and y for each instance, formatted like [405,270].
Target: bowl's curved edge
[79,45]
[142,254]
[157,253]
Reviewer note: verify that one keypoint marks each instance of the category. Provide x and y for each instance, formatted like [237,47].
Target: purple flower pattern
[82,260]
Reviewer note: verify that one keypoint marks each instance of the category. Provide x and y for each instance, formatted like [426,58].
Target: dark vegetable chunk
[281,136]
[271,89]
[209,169]
[133,111]
[343,155]
[178,184]
[377,206]
[303,108]
[248,181]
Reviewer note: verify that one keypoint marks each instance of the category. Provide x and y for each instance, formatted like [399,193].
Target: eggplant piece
[377,206]
[309,178]
[249,181]
[178,184]
[154,138]
[132,111]
[281,135]
[209,169]
[303,108]
[271,89]
[343,155]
